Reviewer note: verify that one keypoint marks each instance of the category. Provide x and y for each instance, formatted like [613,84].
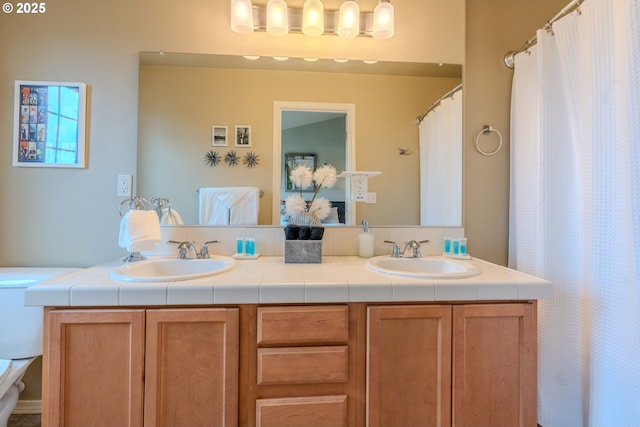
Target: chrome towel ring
[486,130]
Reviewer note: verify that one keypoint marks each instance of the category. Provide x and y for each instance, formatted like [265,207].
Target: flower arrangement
[313,212]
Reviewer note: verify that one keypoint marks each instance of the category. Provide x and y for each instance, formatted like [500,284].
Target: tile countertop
[269,280]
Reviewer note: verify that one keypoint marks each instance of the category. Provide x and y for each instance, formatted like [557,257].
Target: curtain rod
[509,56]
[421,117]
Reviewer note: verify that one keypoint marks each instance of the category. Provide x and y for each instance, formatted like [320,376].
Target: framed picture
[243,136]
[49,124]
[293,160]
[219,136]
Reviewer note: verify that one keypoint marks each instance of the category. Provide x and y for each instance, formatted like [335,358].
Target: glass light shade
[277,18]
[241,16]
[383,25]
[313,18]
[349,20]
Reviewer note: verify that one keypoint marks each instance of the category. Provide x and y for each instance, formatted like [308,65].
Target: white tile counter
[269,280]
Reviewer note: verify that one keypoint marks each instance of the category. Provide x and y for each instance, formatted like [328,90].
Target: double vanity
[348,342]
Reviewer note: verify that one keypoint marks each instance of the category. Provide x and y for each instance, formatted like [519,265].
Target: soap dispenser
[365,241]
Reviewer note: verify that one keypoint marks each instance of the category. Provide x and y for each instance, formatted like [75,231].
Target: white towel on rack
[170,217]
[229,205]
[139,230]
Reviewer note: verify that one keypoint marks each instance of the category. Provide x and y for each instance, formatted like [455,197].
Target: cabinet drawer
[297,325]
[302,365]
[317,411]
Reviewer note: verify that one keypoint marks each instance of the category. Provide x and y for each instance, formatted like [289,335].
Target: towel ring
[486,130]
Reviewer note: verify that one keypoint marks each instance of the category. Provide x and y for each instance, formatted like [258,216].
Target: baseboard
[28,407]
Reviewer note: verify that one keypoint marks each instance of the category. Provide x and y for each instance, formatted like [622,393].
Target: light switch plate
[371,197]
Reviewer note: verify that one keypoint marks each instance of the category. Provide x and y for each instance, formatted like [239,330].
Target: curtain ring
[486,130]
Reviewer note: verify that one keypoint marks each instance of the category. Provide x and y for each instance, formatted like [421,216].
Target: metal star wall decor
[212,158]
[231,158]
[251,159]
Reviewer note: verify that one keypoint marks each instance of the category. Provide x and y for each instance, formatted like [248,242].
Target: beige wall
[178,106]
[493,28]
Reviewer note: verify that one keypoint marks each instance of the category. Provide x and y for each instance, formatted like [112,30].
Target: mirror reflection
[184,97]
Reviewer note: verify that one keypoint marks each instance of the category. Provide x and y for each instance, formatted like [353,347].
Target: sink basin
[423,268]
[171,269]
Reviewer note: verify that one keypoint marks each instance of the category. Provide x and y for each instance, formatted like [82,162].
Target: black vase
[317,233]
[291,232]
[304,232]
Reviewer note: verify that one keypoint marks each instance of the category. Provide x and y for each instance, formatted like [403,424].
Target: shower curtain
[575,210]
[441,164]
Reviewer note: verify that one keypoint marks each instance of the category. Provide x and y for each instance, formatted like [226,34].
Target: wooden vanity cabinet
[325,365]
[465,365]
[105,367]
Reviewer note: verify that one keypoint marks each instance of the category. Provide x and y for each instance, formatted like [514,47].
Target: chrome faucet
[184,247]
[411,244]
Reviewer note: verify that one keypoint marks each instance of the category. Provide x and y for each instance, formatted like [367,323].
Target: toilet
[20,331]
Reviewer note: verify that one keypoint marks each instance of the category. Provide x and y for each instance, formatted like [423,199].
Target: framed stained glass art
[49,124]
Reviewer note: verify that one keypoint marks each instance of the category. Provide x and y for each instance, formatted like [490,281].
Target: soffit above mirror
[299,64]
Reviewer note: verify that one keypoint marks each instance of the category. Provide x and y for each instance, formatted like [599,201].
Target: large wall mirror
[182,96]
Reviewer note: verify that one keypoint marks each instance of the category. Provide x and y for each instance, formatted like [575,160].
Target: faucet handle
[183,247]
[395,252]
[204,251]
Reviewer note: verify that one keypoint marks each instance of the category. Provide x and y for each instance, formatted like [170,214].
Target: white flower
[325,176]
[320,208]
[295,205]
[301,176]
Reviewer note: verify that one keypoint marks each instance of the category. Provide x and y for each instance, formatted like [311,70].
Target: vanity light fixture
[251,57]
[349,20]
[277,18]
[241,16]
[281,58]
[313,19]
[383,21]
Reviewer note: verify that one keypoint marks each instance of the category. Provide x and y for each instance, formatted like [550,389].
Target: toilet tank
[20,326]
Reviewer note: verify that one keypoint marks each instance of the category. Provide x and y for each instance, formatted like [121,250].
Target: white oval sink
[163,269]
[423,268]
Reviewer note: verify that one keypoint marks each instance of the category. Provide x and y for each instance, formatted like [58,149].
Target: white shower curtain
[441,164]
[575,210]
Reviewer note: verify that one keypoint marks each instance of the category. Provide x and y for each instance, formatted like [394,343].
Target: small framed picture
[49,124]
[243,136]
[219,136]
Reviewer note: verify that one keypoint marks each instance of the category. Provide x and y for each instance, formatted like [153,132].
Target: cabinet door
[191,367]
[494,371]
[93,368]
[409,366]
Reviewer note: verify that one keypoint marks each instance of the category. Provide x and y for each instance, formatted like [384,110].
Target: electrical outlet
[359,185]
[124,185]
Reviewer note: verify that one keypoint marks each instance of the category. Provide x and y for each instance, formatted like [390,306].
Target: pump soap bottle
[365,240]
